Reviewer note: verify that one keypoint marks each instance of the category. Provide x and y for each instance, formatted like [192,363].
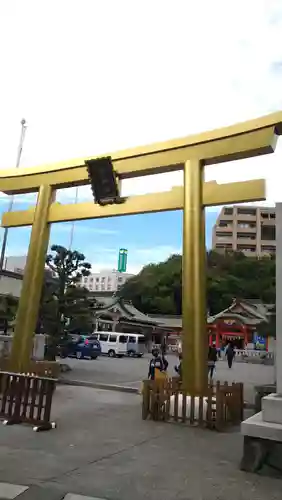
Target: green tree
[157,288]
[63,303]
[8,311]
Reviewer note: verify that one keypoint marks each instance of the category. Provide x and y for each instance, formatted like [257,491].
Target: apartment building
[247,229]
[15,264]
[105,281]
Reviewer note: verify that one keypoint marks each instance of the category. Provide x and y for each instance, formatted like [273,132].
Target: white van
[136,344]
[113,344]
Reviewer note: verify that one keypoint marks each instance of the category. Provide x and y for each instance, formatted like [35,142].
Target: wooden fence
[166,401]
[26,399]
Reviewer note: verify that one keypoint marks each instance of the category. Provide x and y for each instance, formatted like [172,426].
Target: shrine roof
[229,315]
[126,309]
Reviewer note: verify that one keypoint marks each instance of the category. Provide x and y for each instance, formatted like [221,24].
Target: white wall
[105,281]
[10,286]
[15,264]
[279,297]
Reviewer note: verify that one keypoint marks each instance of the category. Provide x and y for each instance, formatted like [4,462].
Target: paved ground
[102,448]
[131,372]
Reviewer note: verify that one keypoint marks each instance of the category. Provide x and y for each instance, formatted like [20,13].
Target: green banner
[122,260]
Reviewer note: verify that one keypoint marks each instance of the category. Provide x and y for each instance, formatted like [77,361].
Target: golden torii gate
[191,154]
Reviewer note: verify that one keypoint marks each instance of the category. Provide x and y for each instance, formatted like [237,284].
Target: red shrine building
[239,322]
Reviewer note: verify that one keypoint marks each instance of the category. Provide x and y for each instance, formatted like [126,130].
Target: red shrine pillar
[217,338]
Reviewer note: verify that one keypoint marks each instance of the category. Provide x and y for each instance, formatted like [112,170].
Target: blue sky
[161,70]
[148,237]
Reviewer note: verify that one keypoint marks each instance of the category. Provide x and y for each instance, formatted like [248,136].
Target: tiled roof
[126,309]
[168,321]
[240,317]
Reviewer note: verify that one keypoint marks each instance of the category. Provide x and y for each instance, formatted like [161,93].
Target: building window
[228,211]
[97,280]
[250,236]
[225,223]
[246,225]
[223,235]
[246,211]
[268,233]
[120,279]
[226,246]
[272,216]
[91,279]
[103,279]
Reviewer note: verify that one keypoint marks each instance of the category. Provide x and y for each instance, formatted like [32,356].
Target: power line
[10,207]
[73,223]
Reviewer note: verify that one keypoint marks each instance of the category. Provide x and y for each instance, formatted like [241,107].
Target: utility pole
[5,237]
[73,223]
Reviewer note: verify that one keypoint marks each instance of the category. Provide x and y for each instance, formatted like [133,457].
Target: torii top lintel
[243,140]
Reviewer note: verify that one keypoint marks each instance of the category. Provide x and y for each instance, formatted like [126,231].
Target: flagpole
[10,207]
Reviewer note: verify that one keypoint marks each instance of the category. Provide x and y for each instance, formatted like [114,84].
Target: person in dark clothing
[163,347]
[165,363]
[230,353]
[178,368]
[155,363]
[212,359]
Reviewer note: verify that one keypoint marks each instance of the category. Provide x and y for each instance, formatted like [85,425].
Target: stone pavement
[10,491]
[101,448]
[130,372]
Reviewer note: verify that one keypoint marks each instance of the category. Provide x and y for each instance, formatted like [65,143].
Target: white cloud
[81,229]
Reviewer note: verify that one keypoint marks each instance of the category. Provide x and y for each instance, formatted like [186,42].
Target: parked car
[136,345]
[80,346]
[114,344]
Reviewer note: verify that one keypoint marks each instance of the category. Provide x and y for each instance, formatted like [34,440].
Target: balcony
[247,249]
[247,241]
[268,244]
[247,213]
[222,247]
[224,228]
[222,235]
[248,227]
[267,222]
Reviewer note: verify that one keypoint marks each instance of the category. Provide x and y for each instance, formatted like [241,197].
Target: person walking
[212,359]
[156,365]
[230,353]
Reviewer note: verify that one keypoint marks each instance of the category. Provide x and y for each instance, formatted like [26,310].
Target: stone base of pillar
[272,408]
[263,438]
